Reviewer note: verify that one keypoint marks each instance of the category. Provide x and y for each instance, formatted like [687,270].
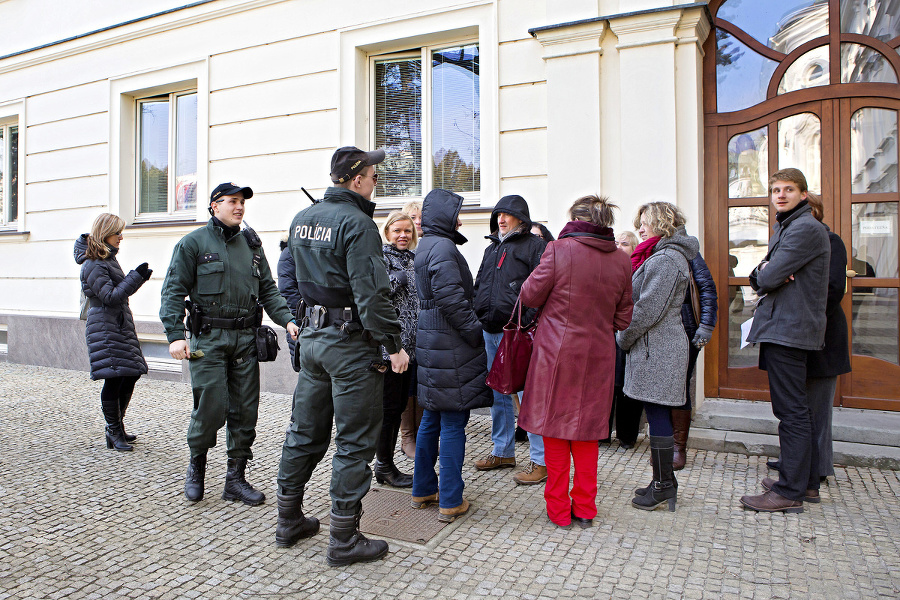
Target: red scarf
[642,252]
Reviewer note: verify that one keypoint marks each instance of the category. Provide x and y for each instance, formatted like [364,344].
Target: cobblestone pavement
[80,521]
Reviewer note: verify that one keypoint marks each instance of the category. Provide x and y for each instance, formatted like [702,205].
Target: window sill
[166,223]
[381,212]
[13,235]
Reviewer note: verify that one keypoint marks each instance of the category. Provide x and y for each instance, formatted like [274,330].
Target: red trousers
[583,498]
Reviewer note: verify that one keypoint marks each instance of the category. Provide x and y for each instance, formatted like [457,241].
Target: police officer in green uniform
[347,316]
[224,271]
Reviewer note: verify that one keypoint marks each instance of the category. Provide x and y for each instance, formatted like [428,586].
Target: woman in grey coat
[113,347]
[656,342]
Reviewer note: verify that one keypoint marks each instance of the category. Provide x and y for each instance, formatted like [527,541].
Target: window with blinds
[9,174]
[427,117]
[167,137]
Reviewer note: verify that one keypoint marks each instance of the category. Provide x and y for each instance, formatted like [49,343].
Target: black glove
[701,338]
[144,271]
[401,277]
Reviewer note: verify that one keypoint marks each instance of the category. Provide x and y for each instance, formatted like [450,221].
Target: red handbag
[510,365]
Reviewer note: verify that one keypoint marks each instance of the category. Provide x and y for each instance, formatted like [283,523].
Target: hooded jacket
[656,342]
[452,363]
[505,266]
[113,347]
[583,284]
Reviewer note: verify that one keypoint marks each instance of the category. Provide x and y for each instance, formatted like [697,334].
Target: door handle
[851,273]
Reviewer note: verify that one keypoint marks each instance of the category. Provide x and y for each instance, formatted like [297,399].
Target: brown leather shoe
[532,475]
[423,501]
[448,515]
[772,502]
[811,495]
[494,462]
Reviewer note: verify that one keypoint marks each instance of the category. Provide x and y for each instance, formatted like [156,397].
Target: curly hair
[662,217]
[104,226]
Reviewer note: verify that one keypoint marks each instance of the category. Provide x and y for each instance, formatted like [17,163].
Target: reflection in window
[456,116]
[9,174]
[167,136]
[398,125]
[800,146]
[780,24]
[874,241]
[809,70]
[748,164]
[875,324]
[742,75]
[873,151]
[877,18]
[741,304]
[861,64]
[748,238]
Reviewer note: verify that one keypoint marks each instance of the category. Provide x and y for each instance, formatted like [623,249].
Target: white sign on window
[876,227]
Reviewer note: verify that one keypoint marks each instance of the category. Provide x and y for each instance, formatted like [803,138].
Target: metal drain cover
[387,513]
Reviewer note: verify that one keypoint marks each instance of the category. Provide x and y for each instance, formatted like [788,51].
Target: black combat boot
[385,469]
[193,482]
[664,487]
[348,545]
[115,438]
[292,525]
[237,488]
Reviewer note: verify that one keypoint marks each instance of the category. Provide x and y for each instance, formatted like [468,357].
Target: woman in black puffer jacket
[452,363]
[113,347]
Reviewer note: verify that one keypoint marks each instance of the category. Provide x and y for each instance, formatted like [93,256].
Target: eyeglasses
[374,177]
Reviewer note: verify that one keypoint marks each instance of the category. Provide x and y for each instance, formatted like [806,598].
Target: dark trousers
[628,416]
[115,396]
[820,391]
[659,419]
[786,368]
[336,386]
[396,395]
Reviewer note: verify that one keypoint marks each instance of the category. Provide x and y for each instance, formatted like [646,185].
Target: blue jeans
[450,428]
[503,416]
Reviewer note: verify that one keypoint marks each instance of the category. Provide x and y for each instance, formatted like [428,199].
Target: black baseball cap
[347,162]
[229,189]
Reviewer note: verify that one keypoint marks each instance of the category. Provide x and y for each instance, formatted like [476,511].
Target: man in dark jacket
[341,276]
[511,256]
[789,322]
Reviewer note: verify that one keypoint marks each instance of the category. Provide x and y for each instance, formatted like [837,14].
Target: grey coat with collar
[792,312]
[656,342]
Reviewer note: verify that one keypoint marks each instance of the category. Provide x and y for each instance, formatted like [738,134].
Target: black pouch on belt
[266,343]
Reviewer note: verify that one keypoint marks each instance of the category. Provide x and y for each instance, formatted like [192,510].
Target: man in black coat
[511,256]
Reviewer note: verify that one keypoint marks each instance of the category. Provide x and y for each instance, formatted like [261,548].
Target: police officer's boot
[385,469]
[237,488]
[348,545]
[292,525]
[193,482]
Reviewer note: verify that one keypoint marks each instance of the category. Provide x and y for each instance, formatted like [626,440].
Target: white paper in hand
[745,331]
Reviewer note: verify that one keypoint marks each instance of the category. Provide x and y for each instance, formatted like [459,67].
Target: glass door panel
[800,146]
[748,164]
[873,151]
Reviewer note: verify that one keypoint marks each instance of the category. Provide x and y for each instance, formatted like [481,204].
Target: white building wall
[283,82]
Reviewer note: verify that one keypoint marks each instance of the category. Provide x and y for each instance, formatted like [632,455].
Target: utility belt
[345,318]
[198,322]
[245,322]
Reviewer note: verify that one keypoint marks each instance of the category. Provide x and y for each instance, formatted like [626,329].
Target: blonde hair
[594,209]
[662,217]
[791,175]
[396,216]
[413,205]
[629,235]
[104,226]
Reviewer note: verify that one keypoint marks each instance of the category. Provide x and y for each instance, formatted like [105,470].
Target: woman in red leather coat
[583,286]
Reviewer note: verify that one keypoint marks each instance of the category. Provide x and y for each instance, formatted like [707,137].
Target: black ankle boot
[193,482]
[385,469]
[292,525]
[347,545]
[128,437]
[237,488]
[115,438]
[664,487]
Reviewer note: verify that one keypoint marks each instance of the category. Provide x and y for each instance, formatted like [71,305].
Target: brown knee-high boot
[408,427]
[681,426]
